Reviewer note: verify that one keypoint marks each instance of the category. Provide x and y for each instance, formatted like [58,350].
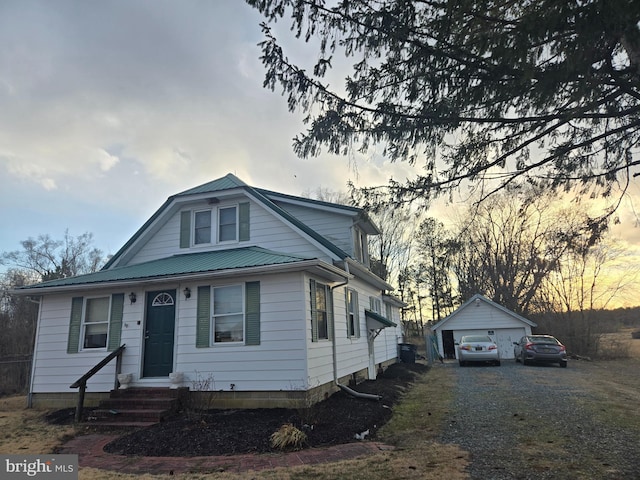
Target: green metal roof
[227,182]
[379,318]
[189,263]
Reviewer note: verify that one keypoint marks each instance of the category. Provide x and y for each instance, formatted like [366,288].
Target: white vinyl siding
[55,369]
[285,358]
[278,362]
[334,227]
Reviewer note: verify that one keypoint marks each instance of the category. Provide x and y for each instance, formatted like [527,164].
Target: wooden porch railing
[81,383]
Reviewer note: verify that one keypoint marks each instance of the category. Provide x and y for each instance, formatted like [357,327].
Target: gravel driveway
[534,422]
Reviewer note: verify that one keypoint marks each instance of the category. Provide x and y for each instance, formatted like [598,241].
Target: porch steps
[137,407]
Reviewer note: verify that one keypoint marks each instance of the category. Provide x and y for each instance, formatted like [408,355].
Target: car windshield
[476,339]
[551,340]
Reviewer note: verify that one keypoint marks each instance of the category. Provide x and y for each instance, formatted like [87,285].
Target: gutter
[327,269]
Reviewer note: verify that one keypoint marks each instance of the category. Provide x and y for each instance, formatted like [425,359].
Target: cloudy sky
[108,108]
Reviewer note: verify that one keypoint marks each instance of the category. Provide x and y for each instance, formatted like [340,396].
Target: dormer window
[361,250]
[215,225]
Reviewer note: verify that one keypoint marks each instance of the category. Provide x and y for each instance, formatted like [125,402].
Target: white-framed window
[228,224]
[228,313]
[217,225]
[353,321]
[202,227]
[360,246]
[95,322]
[375,305]
[320,310]
[388,311]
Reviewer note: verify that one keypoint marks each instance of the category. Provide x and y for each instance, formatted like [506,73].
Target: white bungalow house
[481,316]
[268,296]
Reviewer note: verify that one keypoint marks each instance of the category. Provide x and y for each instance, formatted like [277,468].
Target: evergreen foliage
[546,91]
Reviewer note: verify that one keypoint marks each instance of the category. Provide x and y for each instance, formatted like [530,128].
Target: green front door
[159,332]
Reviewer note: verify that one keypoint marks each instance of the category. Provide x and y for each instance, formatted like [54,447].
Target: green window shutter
[185,229]
[346,308]
[356,312]
[314,314]
[203,326]
[252,314]
[243,227]
[74,325]
[115,322]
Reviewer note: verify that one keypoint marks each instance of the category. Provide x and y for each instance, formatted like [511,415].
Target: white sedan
[477,348]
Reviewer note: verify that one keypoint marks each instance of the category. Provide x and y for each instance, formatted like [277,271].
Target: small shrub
[288,436]
[202,396]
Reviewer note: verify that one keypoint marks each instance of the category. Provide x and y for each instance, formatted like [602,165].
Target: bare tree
[435,247]
[391,250]
[572,298]
[507,246]
[50,259]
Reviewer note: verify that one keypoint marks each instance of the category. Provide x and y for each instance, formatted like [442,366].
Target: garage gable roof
[481,298]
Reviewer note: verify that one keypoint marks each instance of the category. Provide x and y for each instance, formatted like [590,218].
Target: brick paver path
[89,449]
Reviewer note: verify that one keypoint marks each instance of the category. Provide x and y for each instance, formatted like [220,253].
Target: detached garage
[481,316]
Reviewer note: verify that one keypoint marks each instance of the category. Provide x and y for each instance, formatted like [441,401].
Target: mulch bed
[335,420]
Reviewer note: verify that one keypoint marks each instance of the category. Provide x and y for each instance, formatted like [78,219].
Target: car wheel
[524,360]
[517,359]
[563,364]
[461,363]
[497,363]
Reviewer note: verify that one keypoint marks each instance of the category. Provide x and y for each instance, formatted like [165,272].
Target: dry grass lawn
[413,428]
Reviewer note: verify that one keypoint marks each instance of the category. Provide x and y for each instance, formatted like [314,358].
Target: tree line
[40,259]
[521,248]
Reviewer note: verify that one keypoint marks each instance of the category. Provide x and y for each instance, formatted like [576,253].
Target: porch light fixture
[187,293]
[132,297]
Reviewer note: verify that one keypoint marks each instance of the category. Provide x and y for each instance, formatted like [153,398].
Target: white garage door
[504,338]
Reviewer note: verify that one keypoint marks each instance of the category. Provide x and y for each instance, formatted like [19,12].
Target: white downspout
[334,348]
[335,353]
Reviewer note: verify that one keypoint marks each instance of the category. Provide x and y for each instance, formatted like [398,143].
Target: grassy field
[414,428]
